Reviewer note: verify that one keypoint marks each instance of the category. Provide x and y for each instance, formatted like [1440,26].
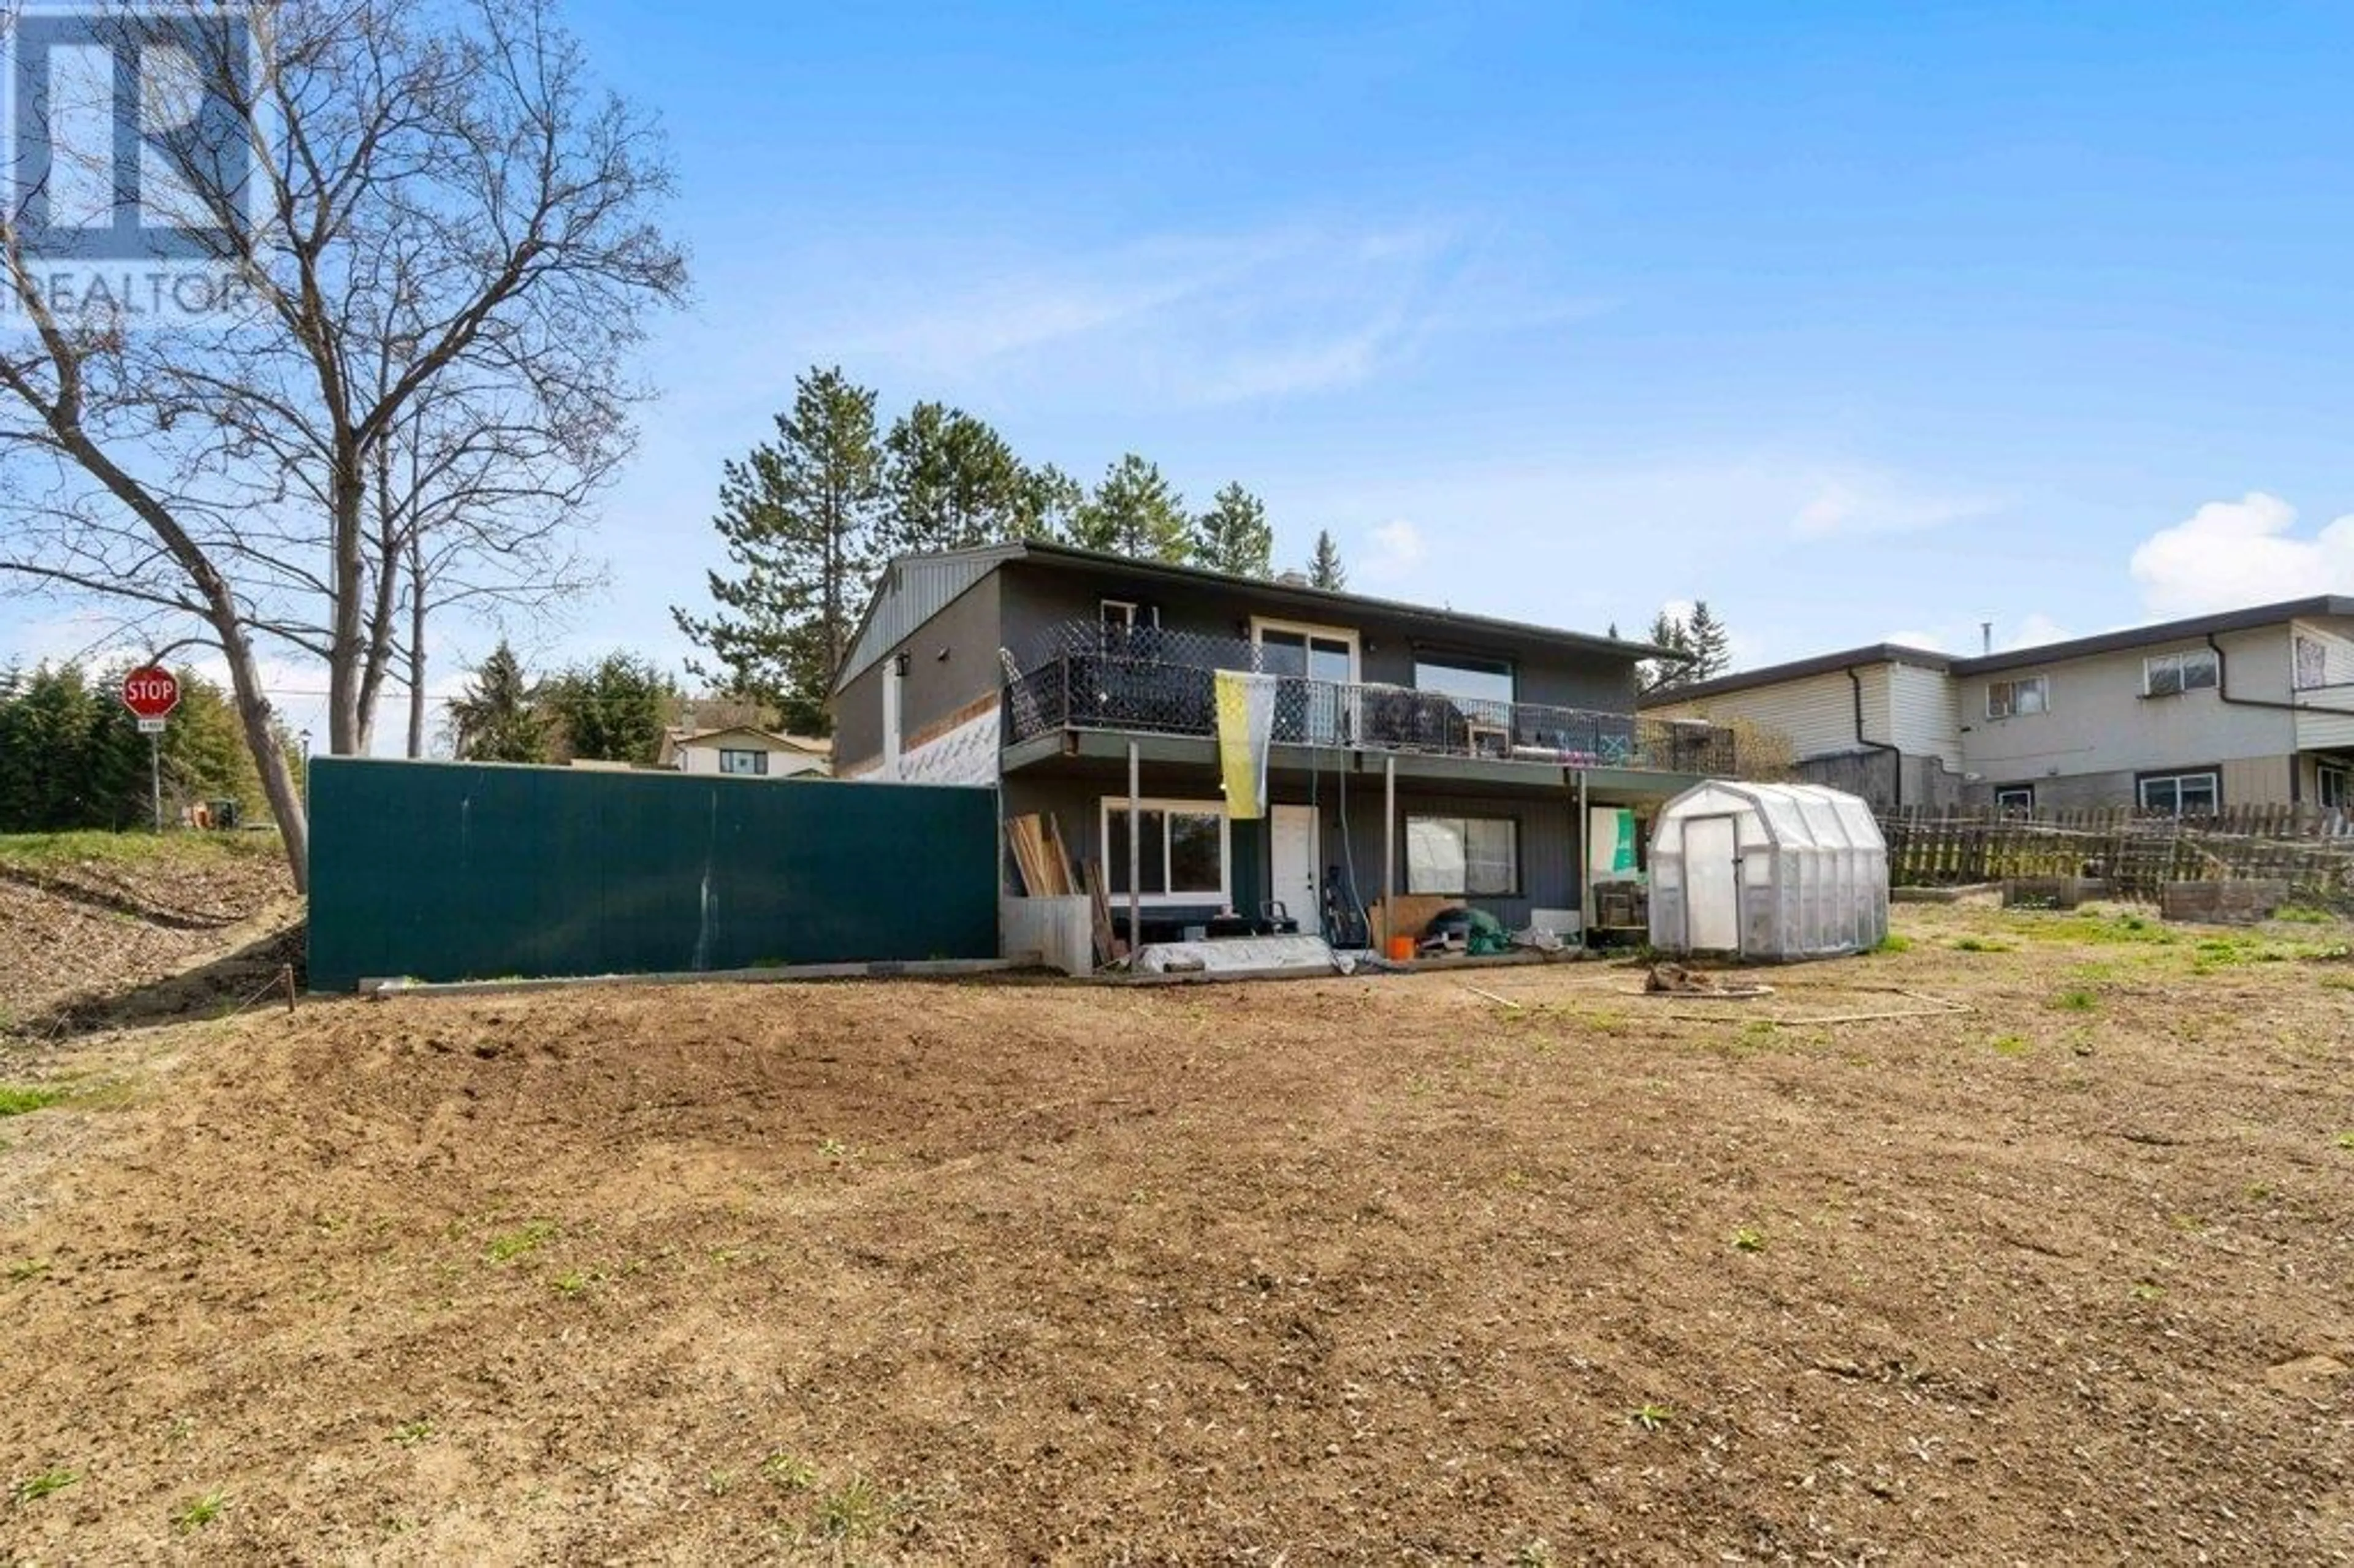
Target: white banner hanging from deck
[1245,733]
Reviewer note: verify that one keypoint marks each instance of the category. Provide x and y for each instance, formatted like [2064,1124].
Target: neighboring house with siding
[1459,743]
[2251,707]
[743,751]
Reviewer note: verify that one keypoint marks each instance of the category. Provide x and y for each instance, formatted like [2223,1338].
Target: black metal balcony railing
[1164,684]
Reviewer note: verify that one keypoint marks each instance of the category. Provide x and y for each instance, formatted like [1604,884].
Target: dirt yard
[105,926]
[1312,1272]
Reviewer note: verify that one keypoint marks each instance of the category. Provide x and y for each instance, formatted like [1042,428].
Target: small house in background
[746,752]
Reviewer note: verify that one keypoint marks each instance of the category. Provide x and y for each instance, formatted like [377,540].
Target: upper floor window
[751,762]
[2011,699]
[1476,680]
[2312,662]
[1126,615]
[2171,674]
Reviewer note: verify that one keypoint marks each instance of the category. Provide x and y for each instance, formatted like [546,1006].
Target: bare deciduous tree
[443,256]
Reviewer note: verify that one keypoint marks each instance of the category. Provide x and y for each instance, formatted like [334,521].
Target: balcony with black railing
[1146,681]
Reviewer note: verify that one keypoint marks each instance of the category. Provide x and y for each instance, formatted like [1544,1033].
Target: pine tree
[1655,676]
[1233,536]
[612,710]
[498,718]
[1134,511]
[949,481]
[1711,646]
[798,518]
[1324,568]
[1049,505]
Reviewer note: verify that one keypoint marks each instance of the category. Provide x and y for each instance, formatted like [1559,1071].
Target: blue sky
[1853,320]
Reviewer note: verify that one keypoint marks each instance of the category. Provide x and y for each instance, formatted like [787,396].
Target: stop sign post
[151,692]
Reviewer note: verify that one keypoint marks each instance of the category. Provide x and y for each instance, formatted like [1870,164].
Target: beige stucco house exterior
[2251,707]
[743,750]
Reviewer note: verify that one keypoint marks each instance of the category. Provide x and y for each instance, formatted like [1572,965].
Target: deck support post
[1134,852]
[1389,847]
[1584,868]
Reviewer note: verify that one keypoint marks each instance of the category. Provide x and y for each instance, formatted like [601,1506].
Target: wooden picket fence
[2136,853]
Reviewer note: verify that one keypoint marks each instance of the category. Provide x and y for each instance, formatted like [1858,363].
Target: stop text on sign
[151,692]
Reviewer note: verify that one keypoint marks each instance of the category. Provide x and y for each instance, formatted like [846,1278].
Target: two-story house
[2251,707]
[1414,750]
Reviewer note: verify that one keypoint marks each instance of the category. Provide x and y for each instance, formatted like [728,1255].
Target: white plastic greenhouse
[1767,871]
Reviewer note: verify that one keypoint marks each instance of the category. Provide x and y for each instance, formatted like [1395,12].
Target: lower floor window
[1182,850]
[734,761]
[2338,787]
[2015,798]
[2182,794]
[1462,856]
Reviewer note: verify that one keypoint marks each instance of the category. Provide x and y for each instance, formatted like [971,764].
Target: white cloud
[1871,502]
[2232,554]
[1930,640]
[1200,318]
[1398,549]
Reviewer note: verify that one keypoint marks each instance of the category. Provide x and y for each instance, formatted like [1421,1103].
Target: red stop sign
[151,692]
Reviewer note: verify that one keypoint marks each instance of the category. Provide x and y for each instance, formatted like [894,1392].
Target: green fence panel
[475,870]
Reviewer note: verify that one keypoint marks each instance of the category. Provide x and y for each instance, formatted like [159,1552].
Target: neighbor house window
[1183,851]
[2027,695]
[2181,794]
[2171,674]
[2015,798]
[1477,680]
[1126,615]
[2312,662]
[749,762]
[2337,788]
[1462,856]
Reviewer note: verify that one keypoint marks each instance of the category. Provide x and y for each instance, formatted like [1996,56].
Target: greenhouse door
[1711,886]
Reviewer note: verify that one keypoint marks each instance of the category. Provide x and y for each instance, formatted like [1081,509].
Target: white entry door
[1293,878]
[1711,885]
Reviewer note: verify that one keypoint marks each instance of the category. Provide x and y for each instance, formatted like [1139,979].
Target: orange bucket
[1401,949]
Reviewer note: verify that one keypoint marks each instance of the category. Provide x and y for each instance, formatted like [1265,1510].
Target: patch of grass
[718,1483]
[32,1488]
[1892,943]
[1536,1553]
[853,1510]
[786,1471]
[410,1435]
[1983,945]
[1748,1238]
[2076,999]
[23,1100]
[514,1244]
[27,1269]
[2012,1046]
[1650,1417]
[572,1283]
[2147,1291]
[198,1513]
[42,851]
[2346,1140]
[833,1149]
[2091,929]
[2304,915]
